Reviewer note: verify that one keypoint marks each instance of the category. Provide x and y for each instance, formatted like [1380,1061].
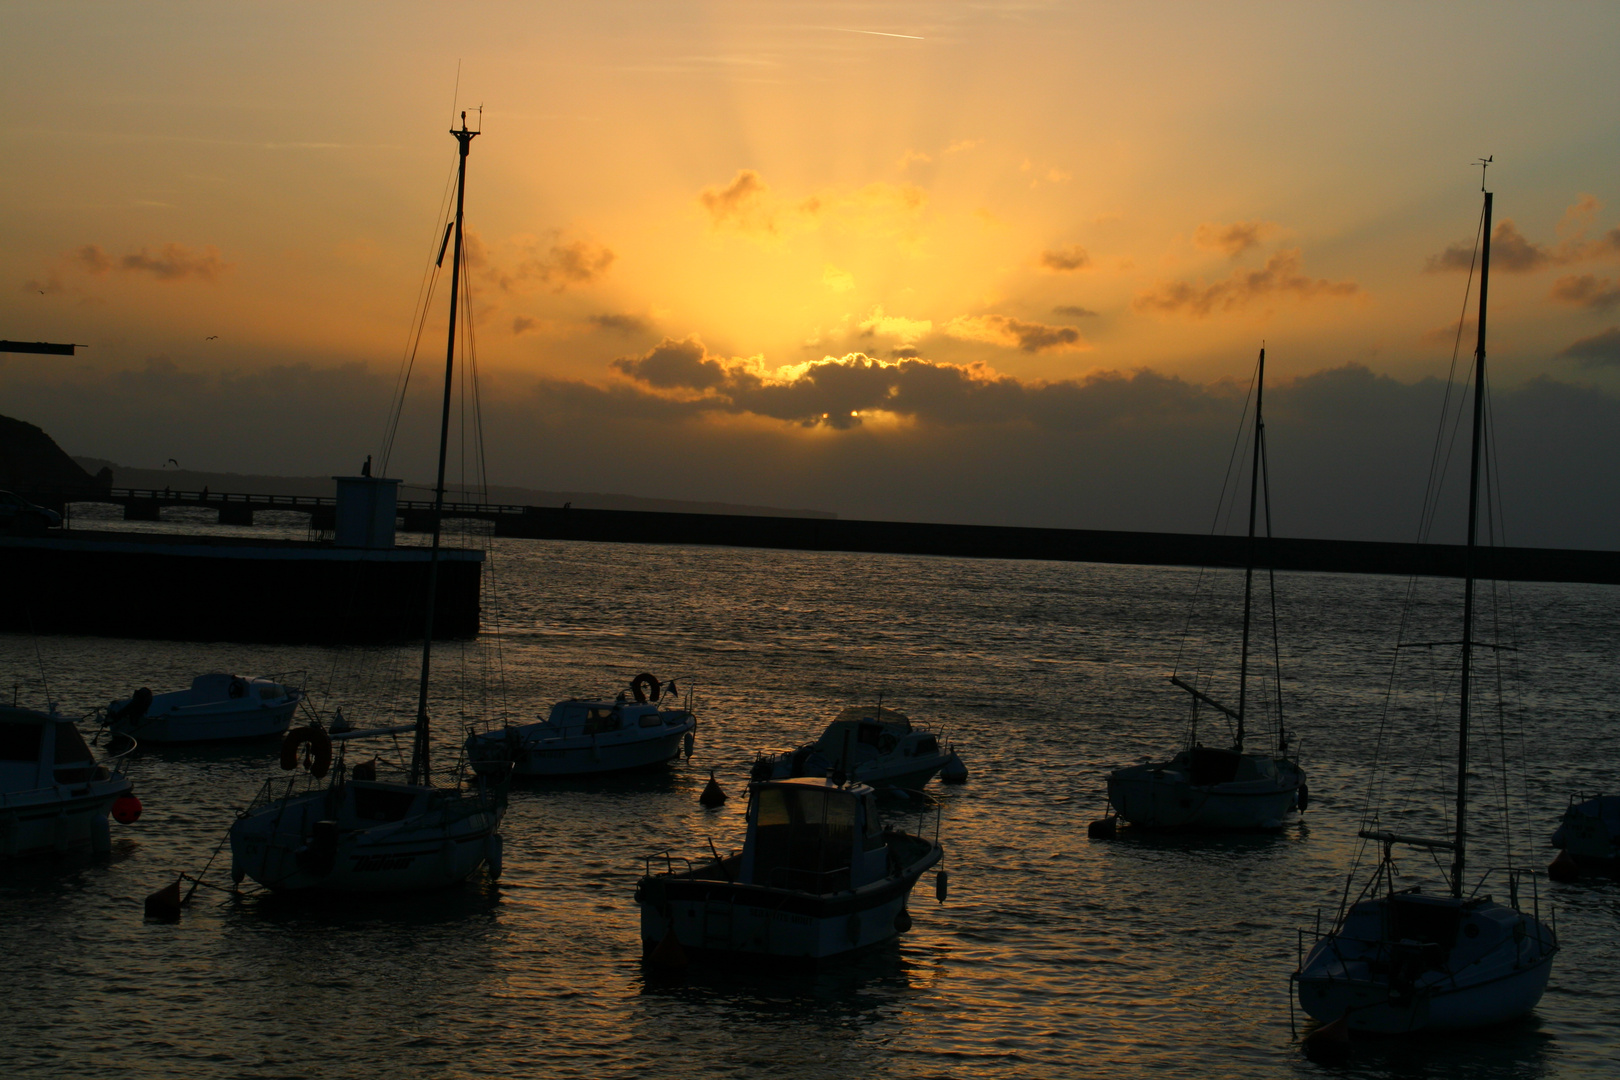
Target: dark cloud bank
[930,441]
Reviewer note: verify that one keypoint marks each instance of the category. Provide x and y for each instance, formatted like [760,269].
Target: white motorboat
[218,706]
[584,736]
[868,744]
[1402,960]
[356,833]
[818,877]
[54,794]
[1209,787]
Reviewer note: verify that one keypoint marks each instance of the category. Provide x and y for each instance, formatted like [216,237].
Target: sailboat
[355,832]
[1219,787]
[1400,959]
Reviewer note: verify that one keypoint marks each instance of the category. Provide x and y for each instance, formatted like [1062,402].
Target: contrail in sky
[878,33]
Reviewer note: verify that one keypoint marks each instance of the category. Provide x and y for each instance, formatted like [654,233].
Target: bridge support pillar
[143,510]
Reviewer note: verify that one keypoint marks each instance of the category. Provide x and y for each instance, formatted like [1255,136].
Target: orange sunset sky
[1020,255]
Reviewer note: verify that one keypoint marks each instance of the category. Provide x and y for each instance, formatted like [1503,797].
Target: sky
[1006,263]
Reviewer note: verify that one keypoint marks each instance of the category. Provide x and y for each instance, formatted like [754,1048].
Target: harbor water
[1053,955]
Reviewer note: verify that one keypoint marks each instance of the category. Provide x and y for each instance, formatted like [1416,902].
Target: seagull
[210,337]
[173,462]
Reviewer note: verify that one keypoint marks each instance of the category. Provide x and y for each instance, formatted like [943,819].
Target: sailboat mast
[1468,565]
[419,748]
[1248,569]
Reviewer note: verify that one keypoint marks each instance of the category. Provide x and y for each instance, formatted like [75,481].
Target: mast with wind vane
[419,746]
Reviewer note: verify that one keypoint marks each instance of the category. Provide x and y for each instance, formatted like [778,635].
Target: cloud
[623,324]
[1074,311]
[1234,239]
[913,157]
[837,280]
[740,204]
[171,262]
[961,145]
[750,207]
[1599,350]
[174,262]
[521,324]
[1065,260]
[1513,253]
[1282,277]
[675,365]
[1586,291]
[1031,337]
[527,262]
[905,330]
[845,392]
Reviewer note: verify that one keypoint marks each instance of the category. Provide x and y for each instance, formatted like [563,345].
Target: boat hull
[583,758]
[58,819]
[716,919]
[211,725]
[1493,970]
[1149,796]
[276,846]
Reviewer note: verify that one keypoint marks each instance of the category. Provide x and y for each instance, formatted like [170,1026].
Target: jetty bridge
[239,508]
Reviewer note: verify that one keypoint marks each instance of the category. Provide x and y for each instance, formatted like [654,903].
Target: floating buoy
[1103,828]
[1564,868]
[1331,1039]
[955,770]
[669,952]
[712,795]
[164,905]
[1302,798]
[942,885]
[902,921]
[126,809]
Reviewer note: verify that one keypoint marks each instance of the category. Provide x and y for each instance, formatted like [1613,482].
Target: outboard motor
[133,709]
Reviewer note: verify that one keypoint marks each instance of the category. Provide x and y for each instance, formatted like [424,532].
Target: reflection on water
[1056,955]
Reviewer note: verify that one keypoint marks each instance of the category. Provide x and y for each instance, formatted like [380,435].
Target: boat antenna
[419,746]
[1248,569]
[1459,848]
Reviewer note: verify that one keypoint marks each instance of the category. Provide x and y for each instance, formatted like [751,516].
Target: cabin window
[803,838]
[270,691]
[599,720]
[652,719]
[381,804]
[873,825]
[20,742]
[70,746]
[927,745]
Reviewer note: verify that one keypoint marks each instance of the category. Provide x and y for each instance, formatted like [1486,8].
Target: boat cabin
[810,835]
[575,717]
[864,732]
[39,751]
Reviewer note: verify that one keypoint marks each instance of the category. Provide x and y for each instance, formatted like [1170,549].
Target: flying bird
[173,462]
[210,337]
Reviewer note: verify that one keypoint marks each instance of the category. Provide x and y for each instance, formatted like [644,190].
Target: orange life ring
[319,758]
[652,687]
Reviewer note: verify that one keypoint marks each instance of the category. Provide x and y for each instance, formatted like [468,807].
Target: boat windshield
[803,837]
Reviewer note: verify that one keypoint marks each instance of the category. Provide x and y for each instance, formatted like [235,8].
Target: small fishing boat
[218,706]
[1218,787]
[54,794]
[1402,960]
[585,736]
[818,877]
[871,745]
[1590,833]
[339,829]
